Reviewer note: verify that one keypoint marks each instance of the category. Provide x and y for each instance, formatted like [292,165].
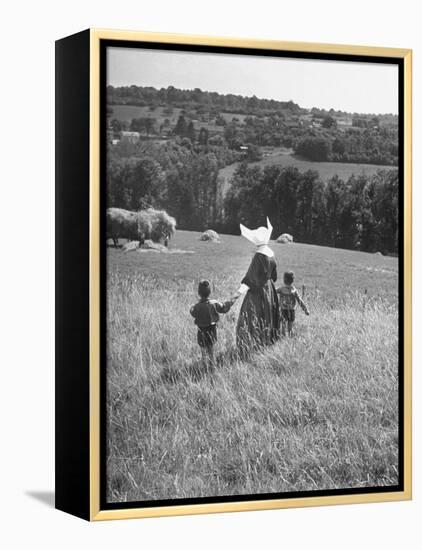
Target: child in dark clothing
[206,314]
[289,298]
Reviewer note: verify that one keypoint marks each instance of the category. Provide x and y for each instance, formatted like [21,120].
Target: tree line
[206,101]
[358,213]
[183,178]
[363,147]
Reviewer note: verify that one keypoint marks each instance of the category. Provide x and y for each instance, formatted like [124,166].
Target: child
[289,297]
[206,315]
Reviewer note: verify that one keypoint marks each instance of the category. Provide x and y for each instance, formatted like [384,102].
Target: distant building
[132,137]
[344,121]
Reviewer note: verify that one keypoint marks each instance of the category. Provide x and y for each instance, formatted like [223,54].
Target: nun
[259,318]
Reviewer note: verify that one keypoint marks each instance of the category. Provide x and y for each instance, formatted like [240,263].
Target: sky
[346,86]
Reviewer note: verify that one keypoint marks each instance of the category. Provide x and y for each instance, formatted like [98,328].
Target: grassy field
[326,169]
[317,411]
[128,112]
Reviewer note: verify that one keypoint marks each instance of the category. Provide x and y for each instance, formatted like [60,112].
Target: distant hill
[147,95]
[209,101]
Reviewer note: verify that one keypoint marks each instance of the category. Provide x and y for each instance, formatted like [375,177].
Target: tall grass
[317,411]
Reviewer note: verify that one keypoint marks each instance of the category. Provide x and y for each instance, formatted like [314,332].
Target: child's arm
[301,303]
[242,290]
[192,311]
[235,297]
[224,307]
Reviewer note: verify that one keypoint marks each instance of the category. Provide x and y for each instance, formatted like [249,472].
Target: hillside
[318,411]
[330,271]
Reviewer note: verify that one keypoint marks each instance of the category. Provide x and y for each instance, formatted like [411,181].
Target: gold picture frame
[91,507]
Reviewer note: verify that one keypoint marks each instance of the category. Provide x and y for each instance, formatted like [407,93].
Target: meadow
[128,112]
[317,411]
[326,169]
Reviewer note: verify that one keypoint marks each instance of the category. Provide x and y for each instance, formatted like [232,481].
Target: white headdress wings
[260,236]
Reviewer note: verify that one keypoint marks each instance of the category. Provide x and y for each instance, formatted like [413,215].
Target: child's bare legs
[208,355]
[286,323]
[290,328]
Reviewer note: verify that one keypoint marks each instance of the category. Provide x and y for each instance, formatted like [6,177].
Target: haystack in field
[152,224]
[123,224]
[285,238]
[210,236]
[151,245]
[130,246]
[162,225]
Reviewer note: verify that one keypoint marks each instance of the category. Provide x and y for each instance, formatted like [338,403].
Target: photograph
[252,291]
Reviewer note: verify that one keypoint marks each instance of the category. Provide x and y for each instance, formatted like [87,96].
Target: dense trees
[314,148]
[360,213]
[328,121]
[133,182]
[203,136]
[351,146]
[143,124]
[179,176]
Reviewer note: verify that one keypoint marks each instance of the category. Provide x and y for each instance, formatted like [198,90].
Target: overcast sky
[352,87]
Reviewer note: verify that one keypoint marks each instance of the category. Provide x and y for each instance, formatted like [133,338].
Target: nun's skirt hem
[259,319]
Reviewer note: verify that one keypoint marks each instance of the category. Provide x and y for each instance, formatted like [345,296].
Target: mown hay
[161,225]
[151,245]
[210,235]
[152,224]
[130,246]
[285,238]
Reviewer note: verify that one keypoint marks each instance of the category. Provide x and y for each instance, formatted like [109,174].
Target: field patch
[332,272]
[128,112]
[326,169]
[318,411]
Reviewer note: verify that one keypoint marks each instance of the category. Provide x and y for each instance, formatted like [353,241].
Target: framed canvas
[233,274]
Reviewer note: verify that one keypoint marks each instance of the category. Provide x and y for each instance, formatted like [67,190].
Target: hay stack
[210,236]
[161,225]
[285,238]
[130,246]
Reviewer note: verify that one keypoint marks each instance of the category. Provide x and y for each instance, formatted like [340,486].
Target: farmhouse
[131,137]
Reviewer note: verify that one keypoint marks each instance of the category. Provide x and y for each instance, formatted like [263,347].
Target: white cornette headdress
[260,236]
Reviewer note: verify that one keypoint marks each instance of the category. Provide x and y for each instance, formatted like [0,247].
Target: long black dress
[259,318]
